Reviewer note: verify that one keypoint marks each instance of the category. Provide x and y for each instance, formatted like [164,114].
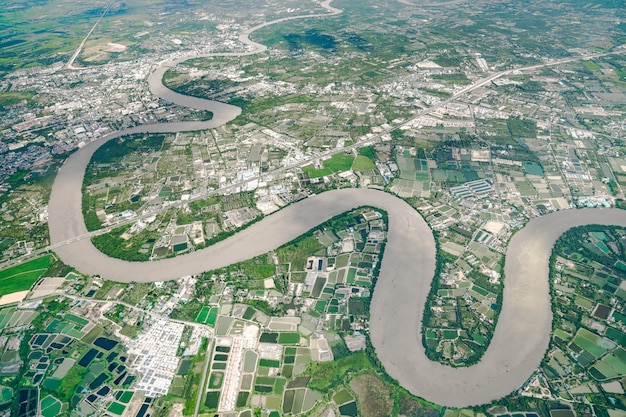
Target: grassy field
[22,277]
[9,98]
[337,163]
[363,163]
[456,78]
[298,252]
[591,65]
[326,375]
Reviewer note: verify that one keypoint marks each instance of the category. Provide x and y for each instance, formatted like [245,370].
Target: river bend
[523,330]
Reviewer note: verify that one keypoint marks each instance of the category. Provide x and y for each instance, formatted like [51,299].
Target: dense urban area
[480,116]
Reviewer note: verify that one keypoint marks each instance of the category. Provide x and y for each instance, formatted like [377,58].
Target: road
[70,63]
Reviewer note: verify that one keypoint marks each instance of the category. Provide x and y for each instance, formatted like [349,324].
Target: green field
[5,394]
[320,306]
[337,163]
[126,397]
[22,277]
[270,363]
[289,338]
[587,340]
[450,334]
[583,302]
[116,408]
[422,176]
[50,406]
[212,399]
[78,320]
[202,315]
[216,379]
[363,163]
[342,260]
[208,315]
[602,246]
[9,98]
[591,65]
[351,275]
[342,397]
[480,290]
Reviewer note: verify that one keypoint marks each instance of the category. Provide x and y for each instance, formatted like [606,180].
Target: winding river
[523,330]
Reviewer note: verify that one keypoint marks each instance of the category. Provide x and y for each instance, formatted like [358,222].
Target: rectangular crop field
[202,315]
[270,363]
[117,408]
[208,315]
[78,320]
[587,341]
[289,338]
[126,397]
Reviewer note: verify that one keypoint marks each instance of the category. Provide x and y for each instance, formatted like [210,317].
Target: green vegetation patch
[6,394]
[289,338]
[10,98]
[202,315]
[480,290]
[269,337]
[326,375]
[342,397]
[50,406]
[78,320]
[337,163]
[363,163]
[116,408]
[212,400]
[242,398]
[270,363]
[351,275]
[450,334]
[51,384]
[584,303]
[593,66]
[113,245]
[207,315]
[249,313]
[368,152]
[126,397]
[5,317]
[216,379]
[298,251]
[455,78]
[22,277]
[294,400]
[521,128]
[212,317]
